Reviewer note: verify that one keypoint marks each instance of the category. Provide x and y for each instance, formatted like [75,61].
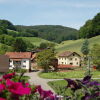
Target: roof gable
[67,54]
[19,55]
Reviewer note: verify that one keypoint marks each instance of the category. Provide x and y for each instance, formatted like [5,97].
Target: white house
[69,58]
[20,59]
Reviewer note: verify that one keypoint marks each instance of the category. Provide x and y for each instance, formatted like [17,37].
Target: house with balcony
[22,60]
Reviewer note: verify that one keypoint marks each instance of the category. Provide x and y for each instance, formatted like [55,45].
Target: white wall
[25,64]
[75,60]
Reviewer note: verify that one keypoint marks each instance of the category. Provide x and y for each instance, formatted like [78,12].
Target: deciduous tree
[45,57]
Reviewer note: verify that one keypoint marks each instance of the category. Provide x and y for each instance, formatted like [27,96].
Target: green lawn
[68,74]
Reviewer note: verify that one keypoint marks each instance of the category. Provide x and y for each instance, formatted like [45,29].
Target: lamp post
[89,65]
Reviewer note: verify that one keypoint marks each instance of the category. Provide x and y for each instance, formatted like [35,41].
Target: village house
[68,59]
[22,60]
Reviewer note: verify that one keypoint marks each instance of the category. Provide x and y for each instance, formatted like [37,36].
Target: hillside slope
[75,45]
[36,41]
[55,33]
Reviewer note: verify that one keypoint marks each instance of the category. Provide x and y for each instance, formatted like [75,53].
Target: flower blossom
[17,88]
[2,98]
[2,87]
[47,95]
[73,84]
[8,76]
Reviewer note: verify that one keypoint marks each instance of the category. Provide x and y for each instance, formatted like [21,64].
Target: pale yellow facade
[73,59]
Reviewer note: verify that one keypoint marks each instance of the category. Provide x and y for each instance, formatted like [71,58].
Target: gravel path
[35,79]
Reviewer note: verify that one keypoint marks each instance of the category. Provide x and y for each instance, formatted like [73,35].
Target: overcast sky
[70,13]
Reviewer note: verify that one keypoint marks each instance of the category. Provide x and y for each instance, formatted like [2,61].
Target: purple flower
[73,84]
[86,79]
[93,83]
[86,97]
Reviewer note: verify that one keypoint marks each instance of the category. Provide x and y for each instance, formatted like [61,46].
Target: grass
[75,45]
[68,74]
[35,40]
[59,87]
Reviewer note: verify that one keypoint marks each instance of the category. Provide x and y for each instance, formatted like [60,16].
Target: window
[10,66]
[73,54]
[62,58]
[71,63]
[24,61]
[10,61]
[65,63]
[70,58]
[62,62]
[77,63]
[24,66]
[65,58]
[75,58]
[59,58]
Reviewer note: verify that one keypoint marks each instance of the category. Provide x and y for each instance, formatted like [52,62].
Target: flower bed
[15,87]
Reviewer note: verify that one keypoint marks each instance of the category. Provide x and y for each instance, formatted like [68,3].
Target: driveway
[35,79]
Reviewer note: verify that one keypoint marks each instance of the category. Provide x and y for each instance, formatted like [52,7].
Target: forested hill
[55,33]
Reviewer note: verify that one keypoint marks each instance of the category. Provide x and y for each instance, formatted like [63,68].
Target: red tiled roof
[65,66]
[19,55]
[66,53]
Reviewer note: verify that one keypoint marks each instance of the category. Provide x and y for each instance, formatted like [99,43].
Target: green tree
[91,28]
[44,58]
[95,52]
[3,30]
[4,48]
[30,46]
[85,52]
[85,48]
[86,30]
[19,45]
[43,46]
[7,24]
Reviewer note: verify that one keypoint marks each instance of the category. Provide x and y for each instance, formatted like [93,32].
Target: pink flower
[2,98]
[2,87]
[17,88]
[44,94]
[8,76]
[27,84]
[0,80]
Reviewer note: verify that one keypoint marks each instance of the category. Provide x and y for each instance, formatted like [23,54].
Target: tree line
[91,28]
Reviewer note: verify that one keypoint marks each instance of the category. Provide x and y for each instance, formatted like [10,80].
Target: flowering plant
[20,90]
[12,88]
[87,89]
